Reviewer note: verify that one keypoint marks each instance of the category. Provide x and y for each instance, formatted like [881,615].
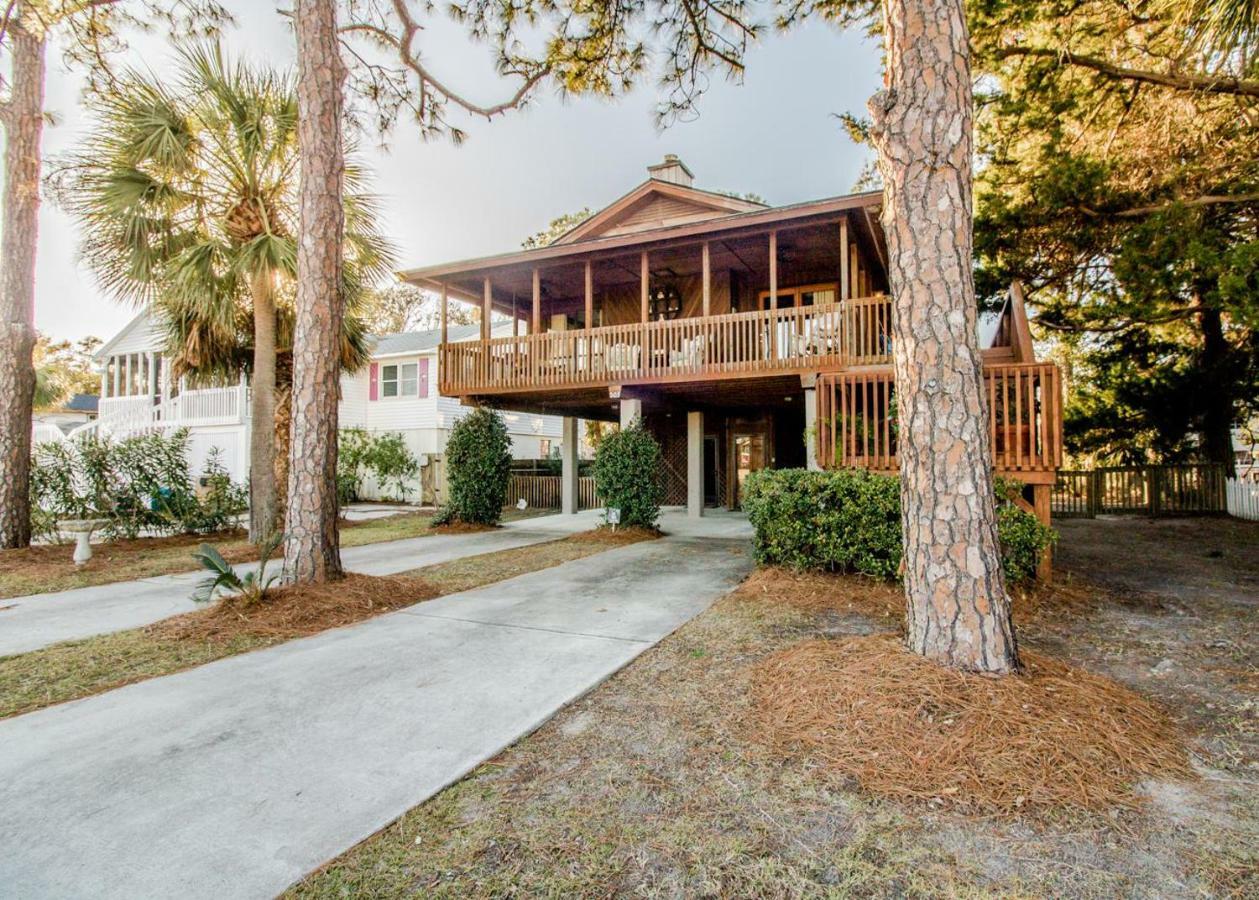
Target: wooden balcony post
[773,294]
[843,259]
[515,317]
[645,275]
[708,282]
[536,327]
[590,296]
[854,267]
[444,313]
[486,302]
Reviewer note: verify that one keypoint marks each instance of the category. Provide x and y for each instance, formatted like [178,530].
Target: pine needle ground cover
[1051,737]
[657,783]
[76,669]
[45,568]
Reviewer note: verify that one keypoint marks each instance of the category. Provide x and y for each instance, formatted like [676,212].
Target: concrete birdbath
[82,530]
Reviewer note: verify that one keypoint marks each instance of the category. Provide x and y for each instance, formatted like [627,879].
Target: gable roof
[411,343]
[143,319]
[654,204]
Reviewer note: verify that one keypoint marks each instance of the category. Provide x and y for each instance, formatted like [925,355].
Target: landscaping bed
[76,669]
[45,568]
[659,782]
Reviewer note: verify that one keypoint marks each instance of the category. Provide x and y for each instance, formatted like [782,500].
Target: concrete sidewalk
[237,778]
[29,623]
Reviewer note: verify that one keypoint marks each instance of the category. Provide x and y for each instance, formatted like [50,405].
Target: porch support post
[104,374]
[694,464]
[644,276]
[810,429]
[568,460]
[1041,497]
[486,300]
[843,258]
[117,367]
[445,313]
[151,375]
[708,282]
[515,317]
[631,411]
[773,294]
[854,268]
[590,296]
[535,327]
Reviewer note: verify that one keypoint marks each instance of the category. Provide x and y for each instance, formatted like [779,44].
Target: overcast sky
[775,134]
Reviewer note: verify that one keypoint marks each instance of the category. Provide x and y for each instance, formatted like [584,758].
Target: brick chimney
[672,170]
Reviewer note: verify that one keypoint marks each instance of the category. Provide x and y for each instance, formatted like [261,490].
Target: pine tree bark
[311,549]
[1217,405]
[23,119]
[262,485]
[958,609]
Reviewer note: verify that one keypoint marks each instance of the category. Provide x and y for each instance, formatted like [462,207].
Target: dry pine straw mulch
[865,708]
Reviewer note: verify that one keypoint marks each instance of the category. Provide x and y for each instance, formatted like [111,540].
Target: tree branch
[1204,83]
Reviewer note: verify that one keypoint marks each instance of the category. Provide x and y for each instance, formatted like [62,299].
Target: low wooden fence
[1242,498]
[544,491]
[1178,490]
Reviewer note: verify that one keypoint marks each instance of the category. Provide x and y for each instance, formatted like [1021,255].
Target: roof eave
[432,275]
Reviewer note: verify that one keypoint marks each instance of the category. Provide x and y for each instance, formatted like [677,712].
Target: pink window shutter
[373,391]
[423,377]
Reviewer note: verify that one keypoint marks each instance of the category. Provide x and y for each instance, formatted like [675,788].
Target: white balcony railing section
[122,416]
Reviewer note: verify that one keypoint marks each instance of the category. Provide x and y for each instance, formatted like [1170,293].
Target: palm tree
[187,191]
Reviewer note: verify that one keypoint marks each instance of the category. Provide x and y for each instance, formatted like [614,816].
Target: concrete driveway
[28,623]
[237,778]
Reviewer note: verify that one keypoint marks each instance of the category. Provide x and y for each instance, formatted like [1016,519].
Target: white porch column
[150,374]
[104,383]
[810,429]
[694,464]
[568,473]
[631,410]
[117,367]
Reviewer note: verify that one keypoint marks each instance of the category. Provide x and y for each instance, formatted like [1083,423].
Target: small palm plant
[249,588]
[187,193]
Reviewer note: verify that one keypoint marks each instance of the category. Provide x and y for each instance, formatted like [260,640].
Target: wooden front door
[751,449]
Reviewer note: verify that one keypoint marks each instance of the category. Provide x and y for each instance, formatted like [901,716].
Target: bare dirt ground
[652,785]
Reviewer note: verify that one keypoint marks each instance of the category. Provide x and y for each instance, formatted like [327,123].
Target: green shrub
[392,464]
[353,445]
[478,467]
[627,475]
[385,456]
[848,520]
[844,520]
[139,484]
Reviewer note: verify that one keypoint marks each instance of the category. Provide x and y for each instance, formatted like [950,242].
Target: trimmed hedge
[478,468]
[627,475]
[849,520]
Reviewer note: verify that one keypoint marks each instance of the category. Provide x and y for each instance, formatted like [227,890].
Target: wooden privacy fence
[857,418]
[544,491]
[1178,490]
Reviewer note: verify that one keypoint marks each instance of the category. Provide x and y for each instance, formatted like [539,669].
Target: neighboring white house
[397,392]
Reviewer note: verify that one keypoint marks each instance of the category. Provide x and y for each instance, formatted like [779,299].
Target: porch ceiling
[596,403]
[806,232]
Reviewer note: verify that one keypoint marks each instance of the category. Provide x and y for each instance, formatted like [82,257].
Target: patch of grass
[49,567]
[652,785]
[75,669]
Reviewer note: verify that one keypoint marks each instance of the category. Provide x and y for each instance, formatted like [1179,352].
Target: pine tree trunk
[959,612]
[283,429]
[23,120]
[262,486]
[311,549]
[1217,404]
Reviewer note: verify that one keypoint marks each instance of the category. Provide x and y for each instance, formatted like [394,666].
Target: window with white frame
[402,380]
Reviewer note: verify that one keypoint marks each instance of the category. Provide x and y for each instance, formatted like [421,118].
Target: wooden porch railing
[852,333]
[857,418]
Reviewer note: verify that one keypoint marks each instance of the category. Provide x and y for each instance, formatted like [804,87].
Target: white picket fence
[1242,498]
